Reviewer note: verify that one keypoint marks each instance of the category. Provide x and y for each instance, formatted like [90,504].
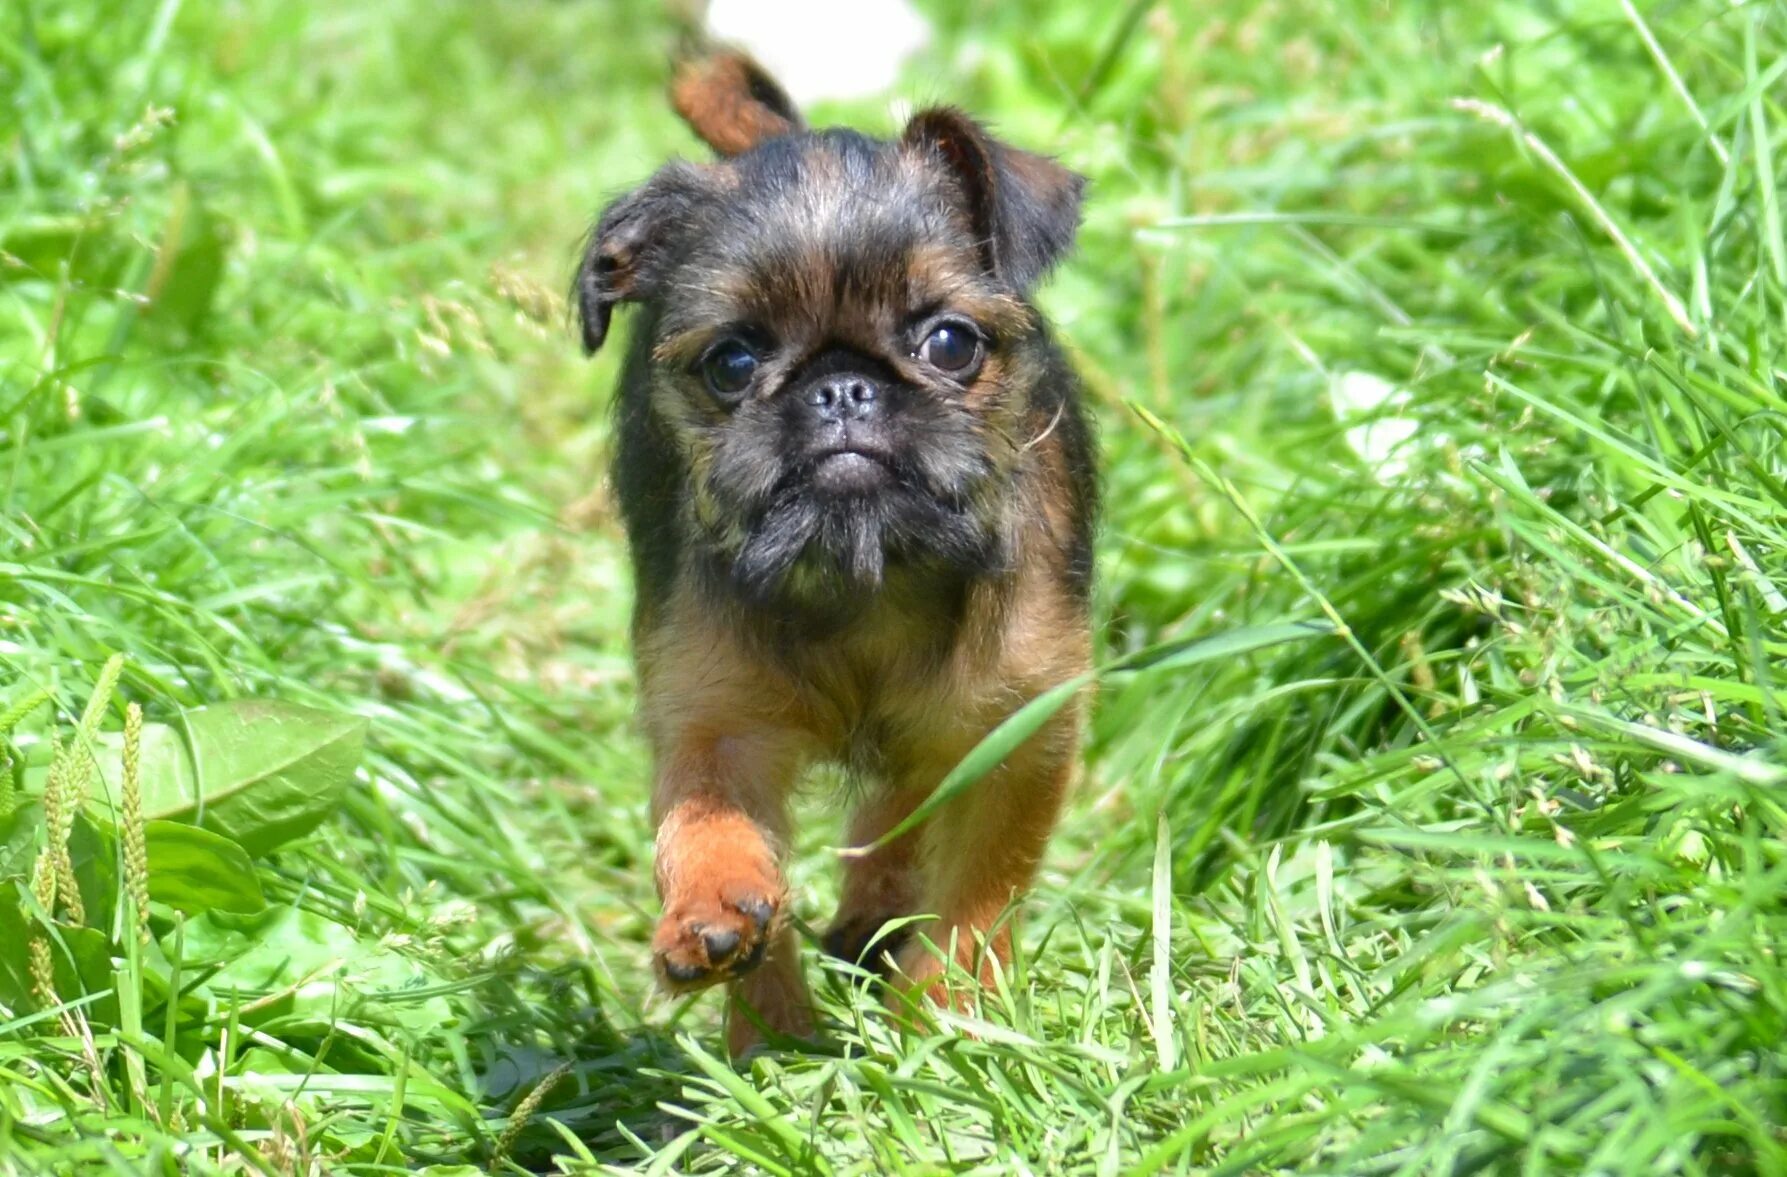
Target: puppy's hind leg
[981,852]
[879,886]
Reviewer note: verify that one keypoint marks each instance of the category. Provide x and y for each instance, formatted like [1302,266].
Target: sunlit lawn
[1451,333]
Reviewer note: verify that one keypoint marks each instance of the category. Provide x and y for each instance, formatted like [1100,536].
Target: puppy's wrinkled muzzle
[848,449]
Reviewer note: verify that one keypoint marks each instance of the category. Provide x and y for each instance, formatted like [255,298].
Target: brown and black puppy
[858,485]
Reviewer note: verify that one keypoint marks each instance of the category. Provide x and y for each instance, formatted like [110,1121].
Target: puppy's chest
[882,702]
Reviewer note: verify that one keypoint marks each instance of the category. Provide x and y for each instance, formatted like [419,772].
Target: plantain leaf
[20,835]
[90,852]
[80,958]
[297,966]
[194,870]
[258,772]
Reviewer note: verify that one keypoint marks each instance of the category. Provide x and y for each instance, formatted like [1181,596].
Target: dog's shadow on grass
[609,1096]
[558,1064]
[607,1088]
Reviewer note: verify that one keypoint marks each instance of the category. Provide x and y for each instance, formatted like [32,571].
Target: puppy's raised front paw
[717,934]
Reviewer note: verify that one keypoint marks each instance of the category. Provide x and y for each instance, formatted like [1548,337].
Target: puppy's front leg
[719,802]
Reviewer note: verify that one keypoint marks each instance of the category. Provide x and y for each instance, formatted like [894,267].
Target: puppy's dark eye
[729,368]
[952,347]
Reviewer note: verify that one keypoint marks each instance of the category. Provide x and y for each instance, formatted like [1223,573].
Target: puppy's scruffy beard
[782,542]
[828,554]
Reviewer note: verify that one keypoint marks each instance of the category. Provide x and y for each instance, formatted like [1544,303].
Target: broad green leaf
[259,773]
[194,870]
[90,852]
[288,963]
[20,836]
[15,932]
[81,958]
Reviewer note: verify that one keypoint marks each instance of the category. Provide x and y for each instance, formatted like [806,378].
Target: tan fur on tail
[731,102]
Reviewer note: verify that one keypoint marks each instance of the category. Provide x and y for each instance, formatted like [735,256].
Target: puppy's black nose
[844,397]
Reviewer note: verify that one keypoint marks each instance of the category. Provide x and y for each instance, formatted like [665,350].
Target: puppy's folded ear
[731,102]
[625,250]
[1024,207]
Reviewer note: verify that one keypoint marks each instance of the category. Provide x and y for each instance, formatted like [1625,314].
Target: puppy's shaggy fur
[857,481]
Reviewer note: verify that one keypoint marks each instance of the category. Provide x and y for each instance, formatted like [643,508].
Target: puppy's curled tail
[731,102]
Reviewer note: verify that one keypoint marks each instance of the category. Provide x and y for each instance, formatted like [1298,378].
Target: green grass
[1493,879]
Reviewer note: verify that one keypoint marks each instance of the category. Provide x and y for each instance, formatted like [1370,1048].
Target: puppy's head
[841,341]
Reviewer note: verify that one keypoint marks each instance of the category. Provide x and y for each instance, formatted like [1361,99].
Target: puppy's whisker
[1044,435]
